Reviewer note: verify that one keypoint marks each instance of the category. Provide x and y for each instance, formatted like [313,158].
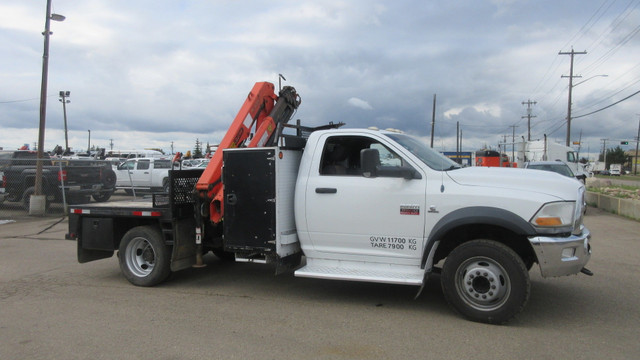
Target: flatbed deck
[143,207]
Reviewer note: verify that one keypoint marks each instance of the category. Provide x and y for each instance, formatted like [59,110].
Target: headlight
[555,217]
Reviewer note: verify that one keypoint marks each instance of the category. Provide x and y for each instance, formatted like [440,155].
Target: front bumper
[560,256]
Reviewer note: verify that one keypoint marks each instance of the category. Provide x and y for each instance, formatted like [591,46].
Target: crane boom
[262,109]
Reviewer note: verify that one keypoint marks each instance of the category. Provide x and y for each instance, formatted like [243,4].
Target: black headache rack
[299,139]
[181,198]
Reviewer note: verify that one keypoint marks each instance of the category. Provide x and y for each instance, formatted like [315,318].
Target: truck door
[124,173]
[142,174]
[350,216]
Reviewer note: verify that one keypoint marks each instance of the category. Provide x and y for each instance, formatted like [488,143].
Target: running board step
[369,272]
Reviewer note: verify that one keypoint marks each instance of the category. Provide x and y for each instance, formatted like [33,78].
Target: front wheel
[485,281]
[143,256]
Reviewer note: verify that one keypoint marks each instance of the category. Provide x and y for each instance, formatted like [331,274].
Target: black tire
[165,186]
[26,199]
[143,256]
[108,178]
[103,196]
[485,281]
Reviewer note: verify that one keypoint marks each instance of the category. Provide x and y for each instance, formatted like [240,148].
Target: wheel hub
[483,283]
[141,257]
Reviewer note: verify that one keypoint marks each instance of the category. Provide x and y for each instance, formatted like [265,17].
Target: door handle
[326,190]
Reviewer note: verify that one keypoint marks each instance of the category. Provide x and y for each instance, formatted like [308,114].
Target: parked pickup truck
[145,174]
[80,180]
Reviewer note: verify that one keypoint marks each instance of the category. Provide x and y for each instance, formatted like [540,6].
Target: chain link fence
[63,182]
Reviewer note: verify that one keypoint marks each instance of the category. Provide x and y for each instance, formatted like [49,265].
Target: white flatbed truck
[359,205]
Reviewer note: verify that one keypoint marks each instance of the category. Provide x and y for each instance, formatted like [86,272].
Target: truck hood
[544,182]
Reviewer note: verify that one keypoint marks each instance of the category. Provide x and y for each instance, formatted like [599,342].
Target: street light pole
[63,98]
[43,95]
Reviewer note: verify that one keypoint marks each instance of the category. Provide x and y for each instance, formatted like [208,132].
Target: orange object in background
[491,158]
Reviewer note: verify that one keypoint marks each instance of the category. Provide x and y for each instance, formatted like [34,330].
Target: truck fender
[474,215]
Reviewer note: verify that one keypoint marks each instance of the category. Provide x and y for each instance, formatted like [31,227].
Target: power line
[608,106]
[23,100]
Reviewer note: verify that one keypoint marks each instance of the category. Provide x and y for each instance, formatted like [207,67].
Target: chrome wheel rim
[140,257]
[483,283]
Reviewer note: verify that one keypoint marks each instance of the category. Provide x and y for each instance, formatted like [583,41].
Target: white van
[116,157]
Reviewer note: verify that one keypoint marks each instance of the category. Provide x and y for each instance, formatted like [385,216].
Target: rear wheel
[165,186]
[144,258]
[485,281]
[26,199]
[103,196]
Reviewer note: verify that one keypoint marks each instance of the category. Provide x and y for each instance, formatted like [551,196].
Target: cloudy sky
[148,73]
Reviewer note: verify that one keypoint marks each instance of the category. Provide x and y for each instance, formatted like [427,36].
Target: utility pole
[111,144]
[529,116]
[43,95]
[513,142]
[604,152]
[433,119]
[63,98]
[570,76]
[457,139]
[635,171]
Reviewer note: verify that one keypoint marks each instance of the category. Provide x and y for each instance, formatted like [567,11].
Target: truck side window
[341,155]
[129,165]
[387,157]
[143,164]
[162,164]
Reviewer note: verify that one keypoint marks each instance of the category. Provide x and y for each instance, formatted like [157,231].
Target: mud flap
[85,256]
[288,263]
[96,239]
[184,244]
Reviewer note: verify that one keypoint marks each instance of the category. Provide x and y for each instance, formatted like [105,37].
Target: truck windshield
[430,157]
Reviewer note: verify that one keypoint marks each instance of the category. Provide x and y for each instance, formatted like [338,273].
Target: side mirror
[371,168]
[369,160]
